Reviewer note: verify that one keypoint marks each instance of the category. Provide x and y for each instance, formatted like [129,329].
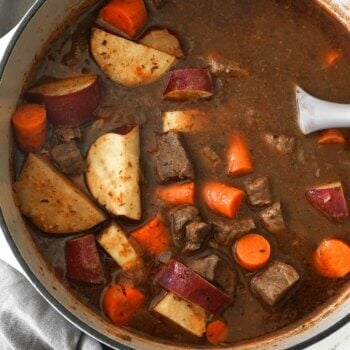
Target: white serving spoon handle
[315,114]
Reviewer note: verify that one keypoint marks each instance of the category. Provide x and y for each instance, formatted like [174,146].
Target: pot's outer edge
[40,287]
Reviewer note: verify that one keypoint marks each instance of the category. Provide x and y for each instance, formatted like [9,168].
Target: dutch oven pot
[40,25]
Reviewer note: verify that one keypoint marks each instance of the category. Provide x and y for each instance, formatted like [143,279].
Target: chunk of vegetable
[192,120]
[121,303]
[69,102]
[177,194]
[217,332]
[29,124]
[331,57]
[128,16]
[332,258]
[184,282]
[163,40]
[189,316]
[126,62]
[329,199]
[115,242]
[113,172]
[51,201]
[252,251]
[331,136]
[83,262]
[223,199]
[189,84]
[153,236]
[238,156]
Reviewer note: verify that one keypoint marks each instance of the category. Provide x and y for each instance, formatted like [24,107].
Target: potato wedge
[113,172]
[127,62]
[116,244]
[189,316]
[192,120]
[52,202]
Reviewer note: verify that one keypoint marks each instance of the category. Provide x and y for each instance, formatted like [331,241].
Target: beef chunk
[172,161]
[259,192]
[216,270]
[68,158]
[179,217]
[272,218]
[227,231]
[65,135]
[281,143]
[196,234]
[274,283]
[205,266]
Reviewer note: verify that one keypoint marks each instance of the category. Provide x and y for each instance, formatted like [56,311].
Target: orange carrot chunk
[331,57]
[331,136]
[332,258]
[177,194]
[238,157]
[129,16]
[29,124]
[217,332]
[153,236]
[223,199]
[120,304]
[252,251]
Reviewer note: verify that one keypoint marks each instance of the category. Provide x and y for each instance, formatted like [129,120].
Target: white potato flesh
[189,316]
[192,120]
[115,242]
[52,202]
[126,62]
[113,173]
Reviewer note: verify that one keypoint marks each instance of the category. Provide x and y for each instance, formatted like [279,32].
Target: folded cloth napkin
[28,322]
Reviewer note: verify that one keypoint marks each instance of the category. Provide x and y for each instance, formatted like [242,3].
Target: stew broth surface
[280,43]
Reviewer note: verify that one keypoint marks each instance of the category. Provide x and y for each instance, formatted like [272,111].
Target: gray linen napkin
[28,322]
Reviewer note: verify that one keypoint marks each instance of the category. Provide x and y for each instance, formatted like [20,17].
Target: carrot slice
[332,258]
[252,251]
[223,199]
[29,124]
[238,156]
[120,304]
[153,236]
[331,136]
[217,332]
[177,194]
[331,57]
[129,16]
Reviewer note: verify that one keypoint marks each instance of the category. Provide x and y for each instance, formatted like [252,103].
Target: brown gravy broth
[279,43]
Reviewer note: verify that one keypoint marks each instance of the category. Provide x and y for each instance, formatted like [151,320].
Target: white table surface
[339,340]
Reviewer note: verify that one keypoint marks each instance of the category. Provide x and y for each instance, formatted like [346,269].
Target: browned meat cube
[275,282]
[179,217]
[272,218]
[283,144]
[68,158]
[259,192]
[227,231]
[205,266]
[196,233]
[65,135]
[172,161]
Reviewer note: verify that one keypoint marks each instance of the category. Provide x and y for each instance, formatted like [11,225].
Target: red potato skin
[83,262]
[330,201]
[71,110]
[189,83]
[185,283]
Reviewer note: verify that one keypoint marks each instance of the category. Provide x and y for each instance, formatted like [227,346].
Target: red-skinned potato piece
[189,84]
[70,102]
[83,262]
[185,283]
[329,199]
